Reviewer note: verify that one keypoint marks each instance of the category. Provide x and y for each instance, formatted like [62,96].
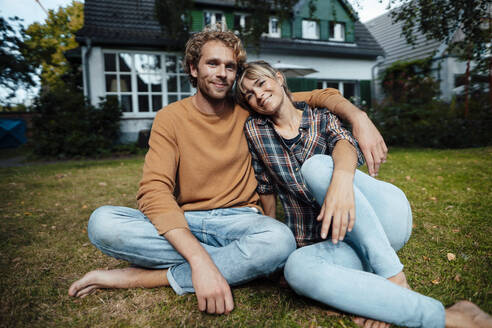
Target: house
[125,54]
[446,68]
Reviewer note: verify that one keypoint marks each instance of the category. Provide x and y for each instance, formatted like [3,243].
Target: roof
[395,46]
[132,23]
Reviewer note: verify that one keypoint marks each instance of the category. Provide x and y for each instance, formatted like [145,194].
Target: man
[199,227]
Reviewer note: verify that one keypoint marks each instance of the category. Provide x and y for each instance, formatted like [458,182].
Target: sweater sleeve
[155,196]
[324,98]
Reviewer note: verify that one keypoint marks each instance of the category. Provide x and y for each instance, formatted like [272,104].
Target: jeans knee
[293,270]
[279,244]
[314,164]
[101,229]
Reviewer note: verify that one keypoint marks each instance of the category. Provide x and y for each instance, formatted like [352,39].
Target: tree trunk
[490,83]
[467,86]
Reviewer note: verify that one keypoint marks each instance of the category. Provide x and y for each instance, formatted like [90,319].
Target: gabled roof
[132,23]
[390,37]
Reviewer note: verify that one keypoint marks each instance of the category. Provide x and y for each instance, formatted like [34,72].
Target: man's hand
[339,204]
[370,141]
[212,290]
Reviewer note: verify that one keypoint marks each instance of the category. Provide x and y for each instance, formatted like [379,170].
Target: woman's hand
[339,207]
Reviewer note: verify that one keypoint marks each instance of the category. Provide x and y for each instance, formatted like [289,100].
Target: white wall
[328,68]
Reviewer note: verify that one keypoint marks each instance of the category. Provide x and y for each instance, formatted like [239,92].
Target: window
[241,22]
[337,31]
[310,30]
[274,27]
[349,90]
[142,83]
[213,17]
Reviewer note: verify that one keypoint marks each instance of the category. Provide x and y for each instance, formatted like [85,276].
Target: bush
[435,124]
[66,125]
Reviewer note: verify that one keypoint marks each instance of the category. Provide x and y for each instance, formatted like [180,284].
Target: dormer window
[310,29]
[274,27]
[213,17]
[337,31]
[241,22]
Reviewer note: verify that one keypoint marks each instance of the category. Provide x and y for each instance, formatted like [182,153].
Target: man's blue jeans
[351,275]
[242,243]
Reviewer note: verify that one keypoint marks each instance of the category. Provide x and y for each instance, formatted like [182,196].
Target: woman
[357,271]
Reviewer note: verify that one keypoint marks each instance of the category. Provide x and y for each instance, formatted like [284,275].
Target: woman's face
[263,94]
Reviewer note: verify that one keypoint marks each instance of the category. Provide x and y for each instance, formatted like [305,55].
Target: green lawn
[44,246]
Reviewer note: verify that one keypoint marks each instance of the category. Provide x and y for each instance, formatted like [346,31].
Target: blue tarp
[12,132]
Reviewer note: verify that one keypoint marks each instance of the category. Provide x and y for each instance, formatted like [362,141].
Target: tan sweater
[201,162]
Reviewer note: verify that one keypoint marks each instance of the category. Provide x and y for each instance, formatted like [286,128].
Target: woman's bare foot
[118,278]
[400,279]
[465,314]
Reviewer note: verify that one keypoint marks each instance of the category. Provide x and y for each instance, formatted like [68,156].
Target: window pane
[333,85]
[147,63]
[207,18]
[180,65]
[142,83]
[143,103]
[111,85]
[125,83]
[126,103]
[185,85]
[125,62]
[218,18]
[110,62]
[310,29]
[349,90]
[171,64]
[154,63]
[155,83]
[237,23]
[156,103]
[172,85]
[172,98]
[319,85]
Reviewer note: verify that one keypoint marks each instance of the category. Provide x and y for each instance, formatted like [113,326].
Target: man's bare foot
[400,279]
[369,323]
[465,314]
[118,278]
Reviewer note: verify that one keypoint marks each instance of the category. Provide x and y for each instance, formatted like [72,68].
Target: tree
[15,70]
[442,19]
[45,43]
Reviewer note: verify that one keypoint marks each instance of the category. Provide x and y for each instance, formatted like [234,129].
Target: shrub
[66,125]
[435,124]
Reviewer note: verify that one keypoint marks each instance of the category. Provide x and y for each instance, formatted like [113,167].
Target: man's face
[216,70]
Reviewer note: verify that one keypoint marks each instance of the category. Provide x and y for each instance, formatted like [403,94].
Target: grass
[44,247]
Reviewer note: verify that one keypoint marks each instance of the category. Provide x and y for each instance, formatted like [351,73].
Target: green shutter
[324,30]
[349,32]
[365,92]
[296,84]
[297,28]
[286,28]
[229,20]
[196,20]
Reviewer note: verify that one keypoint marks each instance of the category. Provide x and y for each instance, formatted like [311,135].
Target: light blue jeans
[351,275]
[242,243]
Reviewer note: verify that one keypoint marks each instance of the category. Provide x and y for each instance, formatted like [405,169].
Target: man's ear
[193,71]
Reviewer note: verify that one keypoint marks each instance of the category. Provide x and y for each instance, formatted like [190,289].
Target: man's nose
[221,71]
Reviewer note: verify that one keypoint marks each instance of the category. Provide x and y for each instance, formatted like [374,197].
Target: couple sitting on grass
[212,161]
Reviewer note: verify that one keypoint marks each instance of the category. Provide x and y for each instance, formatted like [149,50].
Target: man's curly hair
[215,32]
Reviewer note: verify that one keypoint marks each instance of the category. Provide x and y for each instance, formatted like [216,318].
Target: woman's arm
[269,204]
[338,207]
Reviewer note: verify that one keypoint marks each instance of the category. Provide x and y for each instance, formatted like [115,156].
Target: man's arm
[156,200]
[212,290]
[370,140]
[269,204]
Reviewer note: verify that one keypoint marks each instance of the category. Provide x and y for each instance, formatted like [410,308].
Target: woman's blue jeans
[351,275]
[242,243]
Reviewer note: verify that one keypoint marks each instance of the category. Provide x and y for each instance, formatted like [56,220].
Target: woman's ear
[280,77]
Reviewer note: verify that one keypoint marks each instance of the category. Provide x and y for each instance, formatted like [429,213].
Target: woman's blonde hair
[252,71]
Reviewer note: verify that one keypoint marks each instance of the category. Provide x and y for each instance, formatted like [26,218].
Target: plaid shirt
[278,166]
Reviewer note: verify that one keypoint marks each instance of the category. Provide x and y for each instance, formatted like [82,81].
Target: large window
[337,31]
[144,82]
[310,30]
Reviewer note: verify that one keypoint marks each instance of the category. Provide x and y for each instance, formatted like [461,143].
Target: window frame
[213,19]
[342,29]
[271,33]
